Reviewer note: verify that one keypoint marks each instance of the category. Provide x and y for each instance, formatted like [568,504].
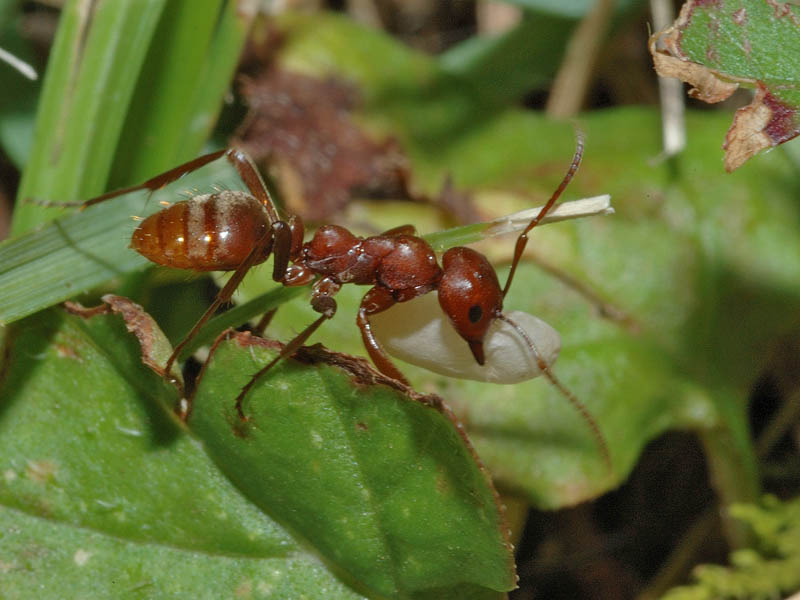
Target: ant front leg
[377,300]
[522,240]
[322,302]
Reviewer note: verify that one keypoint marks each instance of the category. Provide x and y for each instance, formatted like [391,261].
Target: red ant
[234,230]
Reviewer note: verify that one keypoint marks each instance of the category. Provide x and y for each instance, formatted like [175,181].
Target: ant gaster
[233,230]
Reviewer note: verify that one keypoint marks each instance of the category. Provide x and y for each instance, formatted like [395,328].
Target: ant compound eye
[475,313]
[469,292]
[419,333]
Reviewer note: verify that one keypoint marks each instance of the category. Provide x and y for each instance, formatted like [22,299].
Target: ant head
[470,295]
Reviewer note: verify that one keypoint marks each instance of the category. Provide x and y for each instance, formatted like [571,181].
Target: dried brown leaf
[304,129]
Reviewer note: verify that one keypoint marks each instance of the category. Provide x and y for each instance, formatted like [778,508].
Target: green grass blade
[187,72]
[93,70]
[85,249]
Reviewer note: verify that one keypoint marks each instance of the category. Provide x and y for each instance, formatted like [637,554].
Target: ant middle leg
[322,301]
[278,241]
[264,322]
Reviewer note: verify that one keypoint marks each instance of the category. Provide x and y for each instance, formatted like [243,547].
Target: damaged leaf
[718,46]
[155,347]
[381,481]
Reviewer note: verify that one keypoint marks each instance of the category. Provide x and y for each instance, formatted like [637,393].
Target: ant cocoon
[419,333]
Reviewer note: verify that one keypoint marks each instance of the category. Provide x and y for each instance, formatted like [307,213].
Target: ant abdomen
[212,232]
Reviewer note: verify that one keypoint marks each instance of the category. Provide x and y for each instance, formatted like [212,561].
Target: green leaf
[383,485]
[48,559]
[717,46]
[117,486]
[188,69]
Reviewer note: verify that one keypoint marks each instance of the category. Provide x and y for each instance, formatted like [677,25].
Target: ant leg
[522,240]
[252,179]
[377,300]
[154,183]
[243,164]
[270,239]
[322,302]
[264,322]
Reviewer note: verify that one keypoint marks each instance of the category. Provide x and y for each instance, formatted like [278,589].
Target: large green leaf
[42,558]
[97,475]
[383,486]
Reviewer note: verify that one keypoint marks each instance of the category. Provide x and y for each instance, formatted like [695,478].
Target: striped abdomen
[213,232]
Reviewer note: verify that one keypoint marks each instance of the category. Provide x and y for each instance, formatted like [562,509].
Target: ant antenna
[522,240]
[573,400]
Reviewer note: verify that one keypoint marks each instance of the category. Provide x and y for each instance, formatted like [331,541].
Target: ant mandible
[234,230]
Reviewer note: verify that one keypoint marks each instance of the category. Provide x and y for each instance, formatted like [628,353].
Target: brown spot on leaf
[763,123]
[304,129]
[64,351]
[783,9]
[783,124]
[41,471]
[443,485]
[740,16]
[7,567]
[244,589]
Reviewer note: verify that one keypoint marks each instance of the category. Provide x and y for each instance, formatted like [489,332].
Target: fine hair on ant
[234,230]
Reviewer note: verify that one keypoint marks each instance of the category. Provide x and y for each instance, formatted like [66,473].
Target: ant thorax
[398,262]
